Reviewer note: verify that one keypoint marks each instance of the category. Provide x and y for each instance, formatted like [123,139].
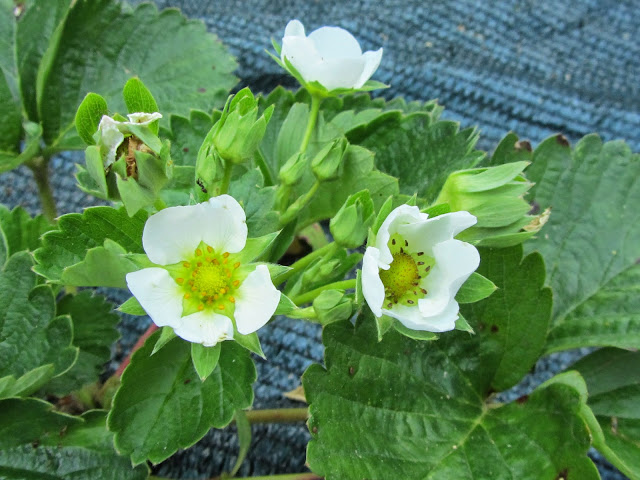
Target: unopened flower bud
[332,306]
[327,164]
[292,170]
[350,225]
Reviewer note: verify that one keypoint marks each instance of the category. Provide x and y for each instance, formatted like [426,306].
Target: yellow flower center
[405,274]
[401,276]
[209,280]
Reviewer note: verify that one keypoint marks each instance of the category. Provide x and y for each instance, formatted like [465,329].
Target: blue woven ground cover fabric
[536,68]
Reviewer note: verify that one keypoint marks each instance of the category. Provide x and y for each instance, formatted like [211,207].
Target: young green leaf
[20,230]
[88,116]
[138,98]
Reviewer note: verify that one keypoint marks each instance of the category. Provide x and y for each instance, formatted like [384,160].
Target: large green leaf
[418,150]
[35,33]
[401,408]
[102,45]
[31,336]
[162,405]
[78,233]
[94,331]
[10,112]
[591,243]
[613,380]
[20,230]
[38,443]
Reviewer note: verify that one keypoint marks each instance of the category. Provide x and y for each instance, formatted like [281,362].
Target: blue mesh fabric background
[537,68]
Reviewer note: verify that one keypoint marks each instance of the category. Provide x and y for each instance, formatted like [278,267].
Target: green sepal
[276,269]
[251,342]
[138,98]
[350,225]
[475,289]
[205,359]
[463,325]
[285,305]
[383,325]
[166,335]
[415,334]
[383,213]
[256,247]
[88,116]
[132,307]
[436,210]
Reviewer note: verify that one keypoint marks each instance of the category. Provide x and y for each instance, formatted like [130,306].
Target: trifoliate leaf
[117,43]
[94,331]
[591,241]
[405,409]
[613,381]
[38,442]
[31,335]
[162,405]
[77,233]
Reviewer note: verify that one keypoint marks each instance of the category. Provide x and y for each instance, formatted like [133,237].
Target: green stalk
[313,118]
[293,211]
[224,186]
[278,415]
[305,261]
[40,168]
[311,295]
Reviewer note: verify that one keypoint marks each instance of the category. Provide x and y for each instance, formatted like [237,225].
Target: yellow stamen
[220,307]
[198,252]
[180,280]
[236,265]
[236,283]
[225,254]
[209,249]
[187,296]
[186,264]
[232,300]
[201,307]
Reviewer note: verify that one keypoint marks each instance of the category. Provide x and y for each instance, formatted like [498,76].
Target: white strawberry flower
[112,132]
[330,56]
[202,286]
[415,267]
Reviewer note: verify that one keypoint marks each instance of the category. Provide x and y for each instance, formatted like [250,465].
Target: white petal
[142,118]
[336,72]
[158,293]
[372,287]
[302,54]
[411,317]
[424,235]
[335,42]
[111,137]
[294,29]
[399,216]
[223,224]
[207,328]
[458,260]
[172,234]
[371,64]
[256,301]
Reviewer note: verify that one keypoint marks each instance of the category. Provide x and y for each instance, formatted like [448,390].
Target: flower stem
[40,168]
[224,186]
[311,295]
[305,261]
[143,338]
[278,415]
[293,211]
[313,118]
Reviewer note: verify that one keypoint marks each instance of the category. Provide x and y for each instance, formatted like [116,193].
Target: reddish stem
[143,338]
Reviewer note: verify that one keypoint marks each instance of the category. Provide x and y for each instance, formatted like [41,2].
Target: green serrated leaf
[36,32]
[205,359]
[590,190]
[613,380]
[28,383]
[88,116]
[476,288]
[30,333]
[38,442]
[78,233]
[162,405]
[111,39]
[20,230]
[421,397]
[511,149]
[94,332]
[105,266]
